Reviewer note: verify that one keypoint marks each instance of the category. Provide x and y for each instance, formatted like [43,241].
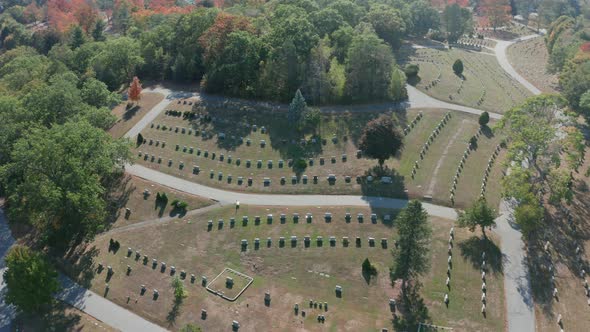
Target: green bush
[458,67]
[484,119]
[411,70]
[300,164]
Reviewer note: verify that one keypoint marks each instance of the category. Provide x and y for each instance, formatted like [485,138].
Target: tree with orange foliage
[214,39]
[497,11]
[62,14]
[135,90]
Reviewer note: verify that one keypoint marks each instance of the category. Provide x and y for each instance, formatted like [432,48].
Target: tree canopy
[381,138]
[30,280]
[478,215]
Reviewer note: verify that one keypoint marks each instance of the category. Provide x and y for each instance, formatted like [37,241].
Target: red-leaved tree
[135,90]
[214,39]
[496,11]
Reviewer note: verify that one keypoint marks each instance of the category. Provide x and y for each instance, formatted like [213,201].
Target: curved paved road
[502,56]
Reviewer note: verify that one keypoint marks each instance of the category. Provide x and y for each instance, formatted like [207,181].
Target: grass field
[292,275]
[143,207]
[530,59]
[337,135]
[484,84]
[126,119]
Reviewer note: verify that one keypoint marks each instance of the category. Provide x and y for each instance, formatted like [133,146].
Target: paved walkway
[517,288]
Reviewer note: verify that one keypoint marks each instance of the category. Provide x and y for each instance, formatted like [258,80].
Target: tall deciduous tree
[479,214]
[457,21]
[497,12]
[388,24]
[55,180]
[381,138]
[135,90]
[414,232]
[30,280]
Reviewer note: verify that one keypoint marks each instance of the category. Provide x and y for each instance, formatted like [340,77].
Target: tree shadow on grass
[412,310]
[487,131]
[78,263]
[395,189]
[174,312]
[130,113]
[472,249]
[118,190]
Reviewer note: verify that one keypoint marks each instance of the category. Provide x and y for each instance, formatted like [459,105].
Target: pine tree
[135,90]
[414,232]
[458,67]
[296,108]
[97,32]
[76,37]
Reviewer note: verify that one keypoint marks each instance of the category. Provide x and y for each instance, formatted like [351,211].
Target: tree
[458,67]
[117,62]
[381,138]
[178,288]
[585,102]
[30,280]
[368,268]
[414,232]
[529,217]
[76,37]
[63,198]
[457,21]
[135,90]
[484,119]
[190,328]
[575,82]
[296,108]
[424,17]
[98,31]
[479,214]
[369,67]
[388,24]
[497,11]
[411,70]
[97,94]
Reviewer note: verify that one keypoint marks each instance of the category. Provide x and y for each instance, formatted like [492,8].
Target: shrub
[411,70]
[175,202]
[484,119]
[458,67]
[368,268]
[300,164]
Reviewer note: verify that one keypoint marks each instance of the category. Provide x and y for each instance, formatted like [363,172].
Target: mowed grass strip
[464,310]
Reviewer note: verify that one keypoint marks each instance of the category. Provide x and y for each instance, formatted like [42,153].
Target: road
[501,54]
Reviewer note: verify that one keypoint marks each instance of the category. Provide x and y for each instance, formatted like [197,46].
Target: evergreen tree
[458,67]
[76,37]
[98,31]
[484,119]
[296,108]
[412,257]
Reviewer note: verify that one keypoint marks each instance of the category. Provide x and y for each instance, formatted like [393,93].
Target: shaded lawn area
[127,118]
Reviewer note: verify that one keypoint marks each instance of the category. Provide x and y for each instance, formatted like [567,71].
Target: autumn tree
[135,90]
[213,40]
[497,11]
[381,138]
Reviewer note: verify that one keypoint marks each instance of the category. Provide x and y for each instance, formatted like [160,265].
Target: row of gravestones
[429,141]
[434,82]
[307,242]
[413,123]
[240,140]
[469,46]
[283,219]
[163,267]
[331,178]
[466,153]
[446,298]
[484,180]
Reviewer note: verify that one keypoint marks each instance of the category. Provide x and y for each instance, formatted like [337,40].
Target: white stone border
[227,269]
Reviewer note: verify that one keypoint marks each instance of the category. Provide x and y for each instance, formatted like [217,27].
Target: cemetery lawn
[485,85]
[530,58]
[62,317]
[126,119]
[345,127]
[144,207]
[572,301]
[291,275]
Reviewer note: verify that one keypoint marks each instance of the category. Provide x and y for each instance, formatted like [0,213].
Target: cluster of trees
[568,43]
[541,160]
[334,51]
